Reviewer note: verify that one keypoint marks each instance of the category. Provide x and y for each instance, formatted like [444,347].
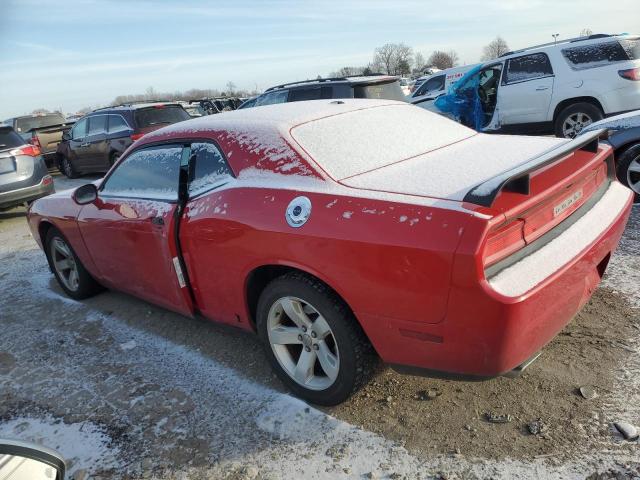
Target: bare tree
[498,46]
[38,111]
[585,32]
[443,60]
[419,63]
[231,88]
[390,57]
[347,71]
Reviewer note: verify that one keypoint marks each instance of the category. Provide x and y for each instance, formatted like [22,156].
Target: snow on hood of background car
[450,172]
[619,122]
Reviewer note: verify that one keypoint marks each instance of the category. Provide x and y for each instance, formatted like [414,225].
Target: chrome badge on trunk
[567,202]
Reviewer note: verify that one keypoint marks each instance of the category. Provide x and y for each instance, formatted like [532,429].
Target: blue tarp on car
[462,101]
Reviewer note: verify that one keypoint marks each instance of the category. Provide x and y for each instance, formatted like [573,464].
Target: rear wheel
[312,340]
[74,279]
[572,119]
[66,167]
[628,169]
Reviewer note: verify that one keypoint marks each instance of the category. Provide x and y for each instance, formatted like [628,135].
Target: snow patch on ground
[83,445]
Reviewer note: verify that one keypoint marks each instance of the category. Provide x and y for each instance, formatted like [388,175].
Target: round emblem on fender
[298,211]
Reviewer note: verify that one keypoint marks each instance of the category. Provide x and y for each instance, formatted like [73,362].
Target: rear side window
[117,124]
[384,91]
[97,124]
[314,93]
[527,67]
[160,115]
[208,168]
[9,139]
[272,98]
[28,123]
[434,84]
[147,173]
[632,47]
[591,56]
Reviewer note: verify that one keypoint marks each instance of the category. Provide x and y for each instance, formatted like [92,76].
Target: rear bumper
[26,194]
[487,333]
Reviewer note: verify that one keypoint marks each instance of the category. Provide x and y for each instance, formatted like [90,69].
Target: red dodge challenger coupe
[341,231]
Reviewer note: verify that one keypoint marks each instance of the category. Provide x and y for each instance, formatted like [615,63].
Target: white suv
[557,88]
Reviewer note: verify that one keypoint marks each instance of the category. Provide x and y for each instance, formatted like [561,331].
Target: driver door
[130,229]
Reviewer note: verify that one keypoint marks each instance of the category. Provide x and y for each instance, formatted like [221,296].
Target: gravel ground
[127,390]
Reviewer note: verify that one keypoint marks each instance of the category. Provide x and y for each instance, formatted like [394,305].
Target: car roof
[569,42]
[278,117]
[356,79]
[132,106]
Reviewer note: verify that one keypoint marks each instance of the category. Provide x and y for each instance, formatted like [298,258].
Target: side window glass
[148,173]
[273,97]
[117,124]
[208,168]
[598,55]
[432,85]
[97,124]
[527,67]
[79,130]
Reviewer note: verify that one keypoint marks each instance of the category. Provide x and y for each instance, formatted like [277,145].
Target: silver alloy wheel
[64,264]
[574,124]
[303,343]
[633,175]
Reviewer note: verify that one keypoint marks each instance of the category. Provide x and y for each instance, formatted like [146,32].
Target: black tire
[113,158]
[66,168]
[623,162]
[87,285]
[585,108]
[357,358]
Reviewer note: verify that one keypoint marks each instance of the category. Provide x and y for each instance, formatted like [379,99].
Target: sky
[72,54]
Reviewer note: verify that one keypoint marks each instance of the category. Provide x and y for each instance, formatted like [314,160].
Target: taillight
[502,241]
[137,136]
[630,74]
[47,180]
[34,140]
[29,150]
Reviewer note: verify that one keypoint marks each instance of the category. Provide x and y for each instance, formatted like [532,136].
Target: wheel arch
[43,229]
[570,101]
[259,277]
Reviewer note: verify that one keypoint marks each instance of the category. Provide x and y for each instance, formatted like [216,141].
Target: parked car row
[42,130]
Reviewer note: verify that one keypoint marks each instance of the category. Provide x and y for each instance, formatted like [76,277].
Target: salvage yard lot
[132,390]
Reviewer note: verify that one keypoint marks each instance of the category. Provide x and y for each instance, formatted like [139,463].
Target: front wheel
[312,340]
[66,167]
[572,119]
[628,169]
[74,279]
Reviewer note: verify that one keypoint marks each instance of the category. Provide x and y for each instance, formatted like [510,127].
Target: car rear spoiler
[518,179]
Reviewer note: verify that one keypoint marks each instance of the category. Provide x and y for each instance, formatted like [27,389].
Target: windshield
[160,115]
[385,91]
[24,124]
[9,139]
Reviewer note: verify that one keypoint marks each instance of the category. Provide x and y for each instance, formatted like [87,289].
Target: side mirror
[66,136]
[27,460]
[85,194]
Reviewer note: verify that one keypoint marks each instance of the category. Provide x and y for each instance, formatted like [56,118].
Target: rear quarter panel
[389,259]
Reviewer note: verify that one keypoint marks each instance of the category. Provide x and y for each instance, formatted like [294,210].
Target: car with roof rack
[97,140]
[558,87]
[375,86]
[345,231]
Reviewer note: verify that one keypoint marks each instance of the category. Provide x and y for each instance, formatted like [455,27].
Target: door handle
[541,88]
[157,220]
[85,144]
